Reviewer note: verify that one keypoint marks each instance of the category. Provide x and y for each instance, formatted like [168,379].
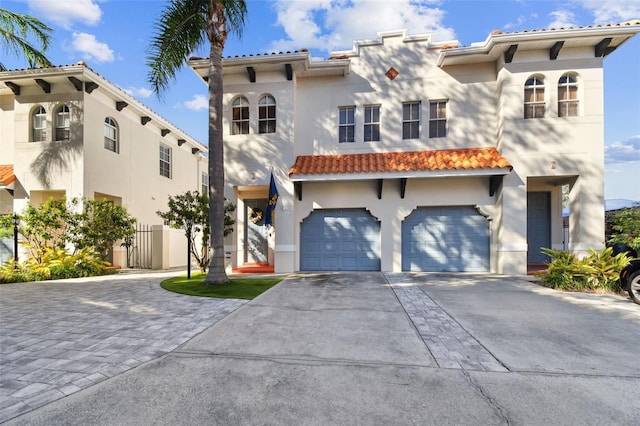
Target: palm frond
[179,30]
[15,31]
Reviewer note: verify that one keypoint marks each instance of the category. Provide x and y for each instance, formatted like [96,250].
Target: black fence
[140,253]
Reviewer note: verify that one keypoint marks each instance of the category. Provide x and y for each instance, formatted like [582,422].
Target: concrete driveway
[386,349]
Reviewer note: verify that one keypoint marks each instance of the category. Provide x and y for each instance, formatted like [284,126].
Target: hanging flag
[271,202]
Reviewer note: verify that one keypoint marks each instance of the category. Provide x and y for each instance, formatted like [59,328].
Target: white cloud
[627,151]
[66,12]
[139,92]
[612,12]
[330,25]
[92,49]
[562,19]
[197,103]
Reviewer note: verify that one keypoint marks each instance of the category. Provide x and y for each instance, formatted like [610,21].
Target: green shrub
[599,271]
[55,264]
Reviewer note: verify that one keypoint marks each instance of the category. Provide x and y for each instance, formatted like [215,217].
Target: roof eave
[424,174]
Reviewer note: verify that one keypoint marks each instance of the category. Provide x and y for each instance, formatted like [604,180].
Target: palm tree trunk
[217,273]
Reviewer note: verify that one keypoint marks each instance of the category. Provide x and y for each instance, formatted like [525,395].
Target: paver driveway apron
[59,337]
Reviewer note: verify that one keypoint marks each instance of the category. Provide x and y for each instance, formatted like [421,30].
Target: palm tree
[180,29]
[15,29]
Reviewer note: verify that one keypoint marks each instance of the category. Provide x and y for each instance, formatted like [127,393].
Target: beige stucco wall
[484,109]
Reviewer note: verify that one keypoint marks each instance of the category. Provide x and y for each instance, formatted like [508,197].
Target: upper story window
[111,135]
[63,121]
[165,161]
[568,96]
[39,125]
[372,123]
[205,184]
[347,124]
[267,114]
[437,119]
[410,120]
[534,98]
[240,116]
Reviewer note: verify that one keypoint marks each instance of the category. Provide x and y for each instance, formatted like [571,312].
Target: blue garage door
[453,239]
[340,240]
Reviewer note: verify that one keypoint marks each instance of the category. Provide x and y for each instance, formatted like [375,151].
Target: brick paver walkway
[57,338]
[450,344]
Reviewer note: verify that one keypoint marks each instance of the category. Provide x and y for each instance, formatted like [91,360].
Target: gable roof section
[6,175]
[444,162]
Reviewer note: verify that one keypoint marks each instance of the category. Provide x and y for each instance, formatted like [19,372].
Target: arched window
[240,114]
[111,135]
[568,95]
[267,114]
[63,120]
[39,125]
[534,98]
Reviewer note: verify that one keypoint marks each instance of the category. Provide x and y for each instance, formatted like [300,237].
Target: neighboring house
[409,155]
[67,131]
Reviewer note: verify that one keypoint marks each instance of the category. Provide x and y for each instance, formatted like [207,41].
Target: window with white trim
[347,124]
[534,105]
[63,121]
[411,120]
[165,161]
[111,135]
[205,184]
[568,95]
[240,116]
[437,119]
[267,114]
[372,123]
[39,125]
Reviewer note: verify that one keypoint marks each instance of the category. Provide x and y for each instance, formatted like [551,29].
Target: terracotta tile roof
[445,159]
[620,24]
[6,174]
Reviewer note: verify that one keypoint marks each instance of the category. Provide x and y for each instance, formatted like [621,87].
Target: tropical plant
[625,227]
[101,224]
[183,26]
[46,226]
[58,223]
[599,271]
[54,264]
[195,207]
[6,226]
[15,31]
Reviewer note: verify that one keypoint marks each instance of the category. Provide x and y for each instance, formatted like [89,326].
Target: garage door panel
[453,239]
[347,240]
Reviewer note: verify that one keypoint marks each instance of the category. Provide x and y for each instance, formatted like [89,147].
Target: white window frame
[372,123]
[111,142]
[346,124]
[568,107]
[533,87]
[437,119]
[267,114]
[411,119]
[205,183]
[63,123]
[39,125]
[165,161]
[240,123]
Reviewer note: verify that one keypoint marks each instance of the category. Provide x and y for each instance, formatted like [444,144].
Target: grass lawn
[239,288]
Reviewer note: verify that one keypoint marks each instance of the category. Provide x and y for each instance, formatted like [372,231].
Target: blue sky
[112,36]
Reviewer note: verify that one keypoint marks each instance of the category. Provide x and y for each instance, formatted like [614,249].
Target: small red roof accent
[444,159]
[6,174]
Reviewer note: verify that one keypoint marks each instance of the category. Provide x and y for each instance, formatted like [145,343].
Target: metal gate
[140,252]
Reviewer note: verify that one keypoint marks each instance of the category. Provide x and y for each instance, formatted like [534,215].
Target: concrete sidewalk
[395,349]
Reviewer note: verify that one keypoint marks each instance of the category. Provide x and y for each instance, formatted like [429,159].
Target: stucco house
[68,131]
[404,154]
